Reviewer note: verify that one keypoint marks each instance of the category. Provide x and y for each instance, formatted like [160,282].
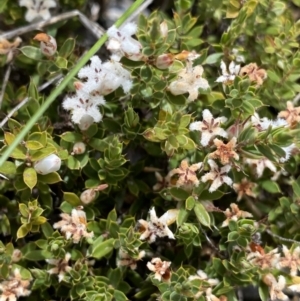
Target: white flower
[203,276]
[275,287]
[217,175]
[264,123]
[264,260]
[47,165]
[260,165]
[295,287]
[82,104]
[161,269]
[288,150]
[226,76]
[37,9]
[105,78]
[74,225]
[238,57]
[234,213]
[158,226]
[209,127]
[61,266]
[122,44]
[126,260]
[209,296]
[290,260]
[189,81]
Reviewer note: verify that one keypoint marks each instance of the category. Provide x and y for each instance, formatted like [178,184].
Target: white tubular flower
[48,44]
[164,29]
[217,175]
[47,165]
[189,81]
[61,266]
[158,226]
[160,268]
[260,165]
[103,79]
[14,287]
[228,77]
[85,122]
[275,287]
[122,44]
[84,104]
[37,9]
[74,225]
[209,127]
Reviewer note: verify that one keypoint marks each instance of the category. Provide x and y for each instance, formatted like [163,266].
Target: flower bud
[85,122]
[164,61]
[47,165]
[164,29]
[16,256]
[47,44]
[79,148]
[88,196]
[78,85]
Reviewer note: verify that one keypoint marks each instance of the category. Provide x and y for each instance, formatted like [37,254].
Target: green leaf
[67,48]
[8,168]
[102,248]
[30,177]
[296,188]
[72,199]
[61,62]
[47,230]
[23,231]
[270,186]
[33,145]
[32,52]
[190,203]
[178,100]
[213,58]
[71,137]
[50,178]
[202,215]
[119,296]
[179,193]
[43,153]
[9,138]
[263,291]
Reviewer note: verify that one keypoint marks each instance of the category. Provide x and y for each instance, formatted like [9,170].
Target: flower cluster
[99,79]
[14,287]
